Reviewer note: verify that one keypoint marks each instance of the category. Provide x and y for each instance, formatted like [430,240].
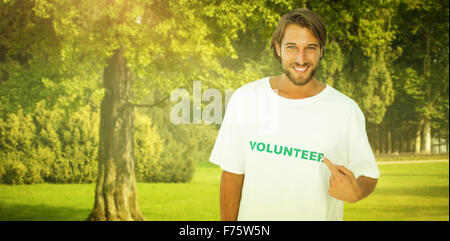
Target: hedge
[60,146]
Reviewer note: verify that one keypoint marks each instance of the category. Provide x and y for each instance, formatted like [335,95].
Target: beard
[299,81]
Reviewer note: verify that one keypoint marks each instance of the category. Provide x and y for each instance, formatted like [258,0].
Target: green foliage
[391,56]
[16,132]
[175,164]
[48,145]
[421,70]
[378,92]
[184,146]
[13,172]
[51,145]
[148,147]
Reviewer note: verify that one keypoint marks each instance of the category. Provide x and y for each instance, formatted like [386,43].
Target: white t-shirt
[279,143]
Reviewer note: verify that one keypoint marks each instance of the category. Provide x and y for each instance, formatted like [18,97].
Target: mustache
[302,65]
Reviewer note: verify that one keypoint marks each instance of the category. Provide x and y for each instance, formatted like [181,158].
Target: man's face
[300,53]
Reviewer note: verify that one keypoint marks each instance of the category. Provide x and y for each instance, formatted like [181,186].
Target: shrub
[53,145]
[60,146]
[14,172]
[79,140]
[175,164]
[147,147]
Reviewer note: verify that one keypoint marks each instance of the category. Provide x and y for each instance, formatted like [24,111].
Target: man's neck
[289,90]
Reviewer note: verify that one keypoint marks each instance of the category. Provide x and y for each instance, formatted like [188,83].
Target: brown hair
[302,17]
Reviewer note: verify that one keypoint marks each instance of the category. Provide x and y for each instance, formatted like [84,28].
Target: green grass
[406,192]
[46,201]
[410,157]
[418,191]
[197,200]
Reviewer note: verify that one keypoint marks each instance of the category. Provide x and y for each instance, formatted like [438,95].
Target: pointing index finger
[333,169]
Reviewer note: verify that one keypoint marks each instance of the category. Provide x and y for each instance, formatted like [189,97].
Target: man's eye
[291,47]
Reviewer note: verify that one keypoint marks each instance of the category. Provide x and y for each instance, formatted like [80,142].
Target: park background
[67,67]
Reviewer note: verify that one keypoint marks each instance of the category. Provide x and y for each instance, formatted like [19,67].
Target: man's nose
[300,58]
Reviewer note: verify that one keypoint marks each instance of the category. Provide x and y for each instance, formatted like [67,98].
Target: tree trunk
[427,70]
[446,144]
[116,192]
[408,142]
[418,137]
[381,139]
[412,142]
[427,137]
[388,132]
[389,141]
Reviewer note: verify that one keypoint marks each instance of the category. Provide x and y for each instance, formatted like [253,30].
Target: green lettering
[252,145]
[278,149]
[305,154]
[259,145]
[288,150]
[278,152]
[319,157]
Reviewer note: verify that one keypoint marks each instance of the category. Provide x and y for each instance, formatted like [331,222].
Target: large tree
[422,69]
[64,50]
[158,45]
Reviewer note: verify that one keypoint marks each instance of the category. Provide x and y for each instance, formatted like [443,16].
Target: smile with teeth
[301,69]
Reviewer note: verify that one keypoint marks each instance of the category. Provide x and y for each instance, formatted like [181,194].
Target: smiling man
[314,156]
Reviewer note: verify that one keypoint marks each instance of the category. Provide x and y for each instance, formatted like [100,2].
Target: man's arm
[344,186]
[230,195]
[366,186]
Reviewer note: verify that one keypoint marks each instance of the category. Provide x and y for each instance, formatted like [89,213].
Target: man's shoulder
[251,88]
[339,98]
[254,85]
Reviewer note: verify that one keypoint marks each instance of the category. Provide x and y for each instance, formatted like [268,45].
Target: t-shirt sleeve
[361,158]
[228,149]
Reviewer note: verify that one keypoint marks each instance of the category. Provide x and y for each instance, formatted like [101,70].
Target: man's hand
[343,184]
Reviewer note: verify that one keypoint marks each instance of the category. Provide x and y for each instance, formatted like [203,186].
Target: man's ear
[277,47]
[322,51]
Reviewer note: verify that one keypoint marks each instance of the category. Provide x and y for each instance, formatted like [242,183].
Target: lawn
[197,200]
[409,192]
[417,191]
